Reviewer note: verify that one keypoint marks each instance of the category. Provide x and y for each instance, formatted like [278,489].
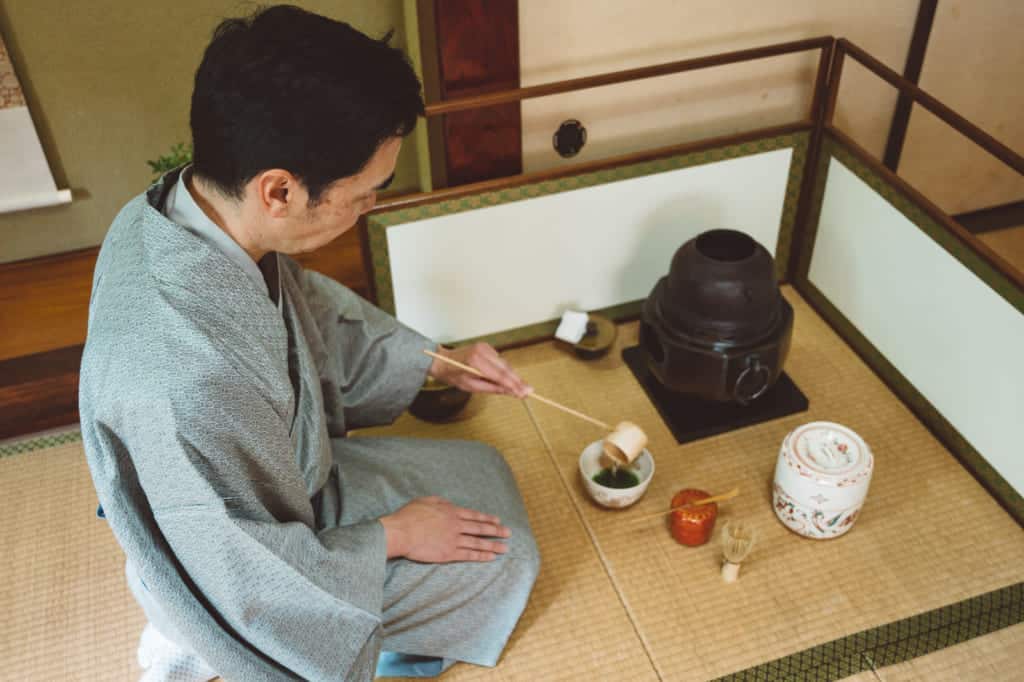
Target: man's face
[340,206]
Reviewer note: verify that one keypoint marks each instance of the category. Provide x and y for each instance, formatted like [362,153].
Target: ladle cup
[624,444]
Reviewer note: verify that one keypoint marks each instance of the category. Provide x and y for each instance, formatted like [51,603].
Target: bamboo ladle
[625,442]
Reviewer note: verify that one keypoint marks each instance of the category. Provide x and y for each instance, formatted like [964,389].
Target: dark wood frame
[979,220]
[992,218]
[1003,277]
[821,114]
[912,72]
[820,122]
[956,121]
[420,198]
[823,43]
[586,82]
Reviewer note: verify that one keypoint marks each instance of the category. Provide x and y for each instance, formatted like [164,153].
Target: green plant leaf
[177,156]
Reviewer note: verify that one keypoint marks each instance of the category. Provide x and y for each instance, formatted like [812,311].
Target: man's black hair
[289,89]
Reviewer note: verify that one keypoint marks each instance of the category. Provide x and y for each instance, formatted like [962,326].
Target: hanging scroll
[25,178]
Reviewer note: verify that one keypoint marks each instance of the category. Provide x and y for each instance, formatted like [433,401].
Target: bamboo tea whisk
[738,539]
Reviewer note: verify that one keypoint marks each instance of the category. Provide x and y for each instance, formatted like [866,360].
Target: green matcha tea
[616,478]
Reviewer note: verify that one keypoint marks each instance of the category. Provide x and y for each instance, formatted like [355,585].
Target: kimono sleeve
[220,474]
[375,364]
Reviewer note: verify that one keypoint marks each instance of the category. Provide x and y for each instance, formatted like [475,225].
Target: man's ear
[279,192]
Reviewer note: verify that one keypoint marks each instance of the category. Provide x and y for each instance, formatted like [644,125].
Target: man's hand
[498,376]
[433,530]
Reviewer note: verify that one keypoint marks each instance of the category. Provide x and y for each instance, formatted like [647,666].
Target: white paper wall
[502,267]
[954,338]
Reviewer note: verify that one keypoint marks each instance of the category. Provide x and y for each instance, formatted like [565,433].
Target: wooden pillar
[471,47]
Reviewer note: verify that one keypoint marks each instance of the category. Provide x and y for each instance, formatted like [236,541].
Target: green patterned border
[797,167]
[820,179]
[895,642]
[968,456]
[39,443]
[378,224]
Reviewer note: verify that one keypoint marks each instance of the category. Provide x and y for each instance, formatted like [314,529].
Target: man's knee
[522,546]
[492,458]
[529,553]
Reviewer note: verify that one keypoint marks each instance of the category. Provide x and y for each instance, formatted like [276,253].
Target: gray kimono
[214,424]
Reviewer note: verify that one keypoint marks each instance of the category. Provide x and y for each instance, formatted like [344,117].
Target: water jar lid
[829,453]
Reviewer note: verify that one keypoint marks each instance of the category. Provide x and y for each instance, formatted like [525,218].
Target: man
[219,380]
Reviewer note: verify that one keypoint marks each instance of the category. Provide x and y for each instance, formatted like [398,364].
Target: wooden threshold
[39,392]
[44,309]
[44,303]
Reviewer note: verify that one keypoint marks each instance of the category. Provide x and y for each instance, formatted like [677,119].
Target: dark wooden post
[471,47]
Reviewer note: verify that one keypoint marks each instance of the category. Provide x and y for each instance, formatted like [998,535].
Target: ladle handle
[552,403]
[695,503]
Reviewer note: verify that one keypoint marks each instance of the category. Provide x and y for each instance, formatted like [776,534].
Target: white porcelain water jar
[821,479]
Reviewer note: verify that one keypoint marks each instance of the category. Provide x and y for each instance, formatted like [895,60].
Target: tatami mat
[67,612]
[574,627]
[69,615]
[614,601]
[929,535]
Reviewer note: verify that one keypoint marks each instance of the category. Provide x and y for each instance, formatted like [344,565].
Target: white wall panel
[954,338]
[502,267]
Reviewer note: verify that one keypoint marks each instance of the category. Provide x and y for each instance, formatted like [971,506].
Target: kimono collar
[180,207]
[180,255]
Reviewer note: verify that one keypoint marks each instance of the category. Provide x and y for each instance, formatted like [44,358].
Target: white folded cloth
[572,327]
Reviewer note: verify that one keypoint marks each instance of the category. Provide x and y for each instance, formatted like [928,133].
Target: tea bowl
[593,460]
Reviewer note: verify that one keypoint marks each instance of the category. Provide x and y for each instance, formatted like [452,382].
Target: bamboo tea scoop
[693,503]
[625,442]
